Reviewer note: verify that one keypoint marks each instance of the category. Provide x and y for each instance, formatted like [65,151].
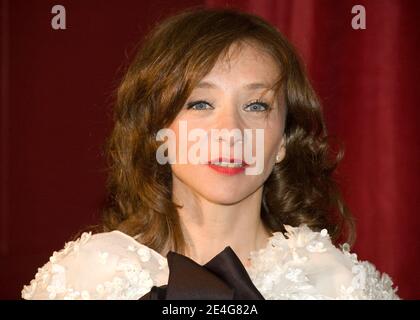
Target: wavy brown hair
[172,59]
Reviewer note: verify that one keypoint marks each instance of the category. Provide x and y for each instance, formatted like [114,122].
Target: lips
[228,166]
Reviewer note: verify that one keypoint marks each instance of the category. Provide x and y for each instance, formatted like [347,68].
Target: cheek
[271,144]
[272,140]
[182,129]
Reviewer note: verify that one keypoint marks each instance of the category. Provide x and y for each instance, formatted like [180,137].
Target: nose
[229,124]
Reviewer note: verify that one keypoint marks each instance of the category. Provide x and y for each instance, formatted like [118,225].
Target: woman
[262,225]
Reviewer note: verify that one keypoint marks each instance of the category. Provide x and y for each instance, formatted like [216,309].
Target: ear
[282,150]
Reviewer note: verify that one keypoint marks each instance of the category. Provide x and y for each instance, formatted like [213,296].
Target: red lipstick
[216,164]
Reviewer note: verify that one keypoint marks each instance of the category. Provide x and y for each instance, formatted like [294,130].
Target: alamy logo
[359,20]
[59,20]
[203,141]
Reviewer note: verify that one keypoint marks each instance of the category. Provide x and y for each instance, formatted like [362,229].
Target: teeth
[228,164]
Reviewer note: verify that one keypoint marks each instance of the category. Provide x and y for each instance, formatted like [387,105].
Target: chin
[224,198]
[218,188]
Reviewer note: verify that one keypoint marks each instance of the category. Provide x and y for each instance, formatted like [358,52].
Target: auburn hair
[172,59]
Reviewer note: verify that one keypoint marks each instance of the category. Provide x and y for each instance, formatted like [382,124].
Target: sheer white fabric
[301,265]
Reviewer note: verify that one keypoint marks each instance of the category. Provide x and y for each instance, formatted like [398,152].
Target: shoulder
[109,265]
[308,265]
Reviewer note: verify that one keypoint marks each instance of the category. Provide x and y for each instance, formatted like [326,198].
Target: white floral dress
[302,264]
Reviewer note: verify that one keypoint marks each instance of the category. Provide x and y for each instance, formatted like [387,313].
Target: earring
[277,158]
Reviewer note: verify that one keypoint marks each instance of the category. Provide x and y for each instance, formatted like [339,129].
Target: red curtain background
[56,97]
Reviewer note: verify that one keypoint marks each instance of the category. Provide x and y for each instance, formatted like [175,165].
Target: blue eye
[199,105]
[257,106]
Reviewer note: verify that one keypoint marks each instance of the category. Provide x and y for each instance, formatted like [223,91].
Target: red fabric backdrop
[56,88]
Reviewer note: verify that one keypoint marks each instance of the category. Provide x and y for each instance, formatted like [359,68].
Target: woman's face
[236,94]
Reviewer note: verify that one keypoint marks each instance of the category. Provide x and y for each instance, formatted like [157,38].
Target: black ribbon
[222,278]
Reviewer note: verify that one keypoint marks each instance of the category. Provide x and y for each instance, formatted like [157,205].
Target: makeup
[228,166]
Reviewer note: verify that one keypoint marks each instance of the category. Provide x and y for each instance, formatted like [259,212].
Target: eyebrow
[249,86]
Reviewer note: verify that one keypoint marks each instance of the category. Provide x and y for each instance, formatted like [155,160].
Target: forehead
[242,64]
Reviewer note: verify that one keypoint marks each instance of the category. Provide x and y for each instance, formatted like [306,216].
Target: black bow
[224,277]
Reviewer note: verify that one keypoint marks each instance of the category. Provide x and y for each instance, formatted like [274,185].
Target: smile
[228,167]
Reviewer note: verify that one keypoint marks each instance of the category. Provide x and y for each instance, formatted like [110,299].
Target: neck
[209,227]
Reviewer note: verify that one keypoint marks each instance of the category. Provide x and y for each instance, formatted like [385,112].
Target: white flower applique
[280,271]
[367,281]
[52,275]
[284,269]
[130,280]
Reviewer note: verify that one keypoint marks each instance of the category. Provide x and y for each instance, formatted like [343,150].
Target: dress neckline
[251,255]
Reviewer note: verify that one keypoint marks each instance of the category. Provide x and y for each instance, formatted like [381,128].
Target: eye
[257,106]
[199,105]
